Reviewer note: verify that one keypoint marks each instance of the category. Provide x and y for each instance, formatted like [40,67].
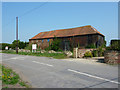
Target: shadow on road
[101,60]
[101,83]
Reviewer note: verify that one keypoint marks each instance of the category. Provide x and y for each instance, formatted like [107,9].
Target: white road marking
[14,58]
[93,76]
[43,63]
[17,58]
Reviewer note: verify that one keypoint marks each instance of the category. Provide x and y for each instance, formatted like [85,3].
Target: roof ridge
[96,30]
[69,28]
[88,29]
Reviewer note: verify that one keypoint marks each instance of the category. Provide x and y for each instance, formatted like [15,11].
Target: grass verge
[10,79]
[46,54]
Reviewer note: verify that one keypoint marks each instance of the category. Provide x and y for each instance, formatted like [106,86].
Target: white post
[76,52]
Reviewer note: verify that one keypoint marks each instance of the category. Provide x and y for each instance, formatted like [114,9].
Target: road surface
[45,72]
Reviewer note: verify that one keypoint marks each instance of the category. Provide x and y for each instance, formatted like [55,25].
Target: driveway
[44,72]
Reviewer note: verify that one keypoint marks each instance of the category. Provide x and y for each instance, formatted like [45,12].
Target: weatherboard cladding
[84,30]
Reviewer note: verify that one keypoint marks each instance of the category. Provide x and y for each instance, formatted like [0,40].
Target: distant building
[72,37]
[114,41]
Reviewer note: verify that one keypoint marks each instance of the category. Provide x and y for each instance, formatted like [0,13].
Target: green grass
[22,83]
[9,77]
[46,54]
[6,87]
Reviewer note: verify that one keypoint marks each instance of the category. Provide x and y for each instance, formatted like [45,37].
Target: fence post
[76,52]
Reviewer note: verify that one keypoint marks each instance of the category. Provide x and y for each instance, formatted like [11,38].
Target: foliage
[8,76]
[95,53]
[48,48]
[38,49]
[55,45]
[114,46]
[91,46]
[100,52]
[88,54]
[21,44]
[6,87]
[104,44]
[22,83]
[29,47]
[3,45]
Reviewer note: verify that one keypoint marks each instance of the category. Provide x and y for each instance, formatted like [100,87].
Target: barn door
[66,45]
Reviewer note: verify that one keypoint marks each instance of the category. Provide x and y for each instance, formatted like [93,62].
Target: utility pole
[17,35]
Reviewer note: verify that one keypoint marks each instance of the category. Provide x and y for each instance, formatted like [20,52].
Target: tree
[21,44]
[3,45]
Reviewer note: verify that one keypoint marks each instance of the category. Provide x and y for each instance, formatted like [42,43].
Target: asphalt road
[44,72]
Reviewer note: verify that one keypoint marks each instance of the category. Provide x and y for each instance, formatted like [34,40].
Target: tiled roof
[84,30]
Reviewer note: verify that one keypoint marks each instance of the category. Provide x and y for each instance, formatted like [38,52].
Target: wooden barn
[70,38]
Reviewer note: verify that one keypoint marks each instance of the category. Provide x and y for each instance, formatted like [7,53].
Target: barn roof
[84,30]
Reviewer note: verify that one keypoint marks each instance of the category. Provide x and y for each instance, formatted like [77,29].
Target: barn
[70,38]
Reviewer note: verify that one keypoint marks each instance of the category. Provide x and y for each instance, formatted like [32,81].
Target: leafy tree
[21,44]
[14,43]
[3,45]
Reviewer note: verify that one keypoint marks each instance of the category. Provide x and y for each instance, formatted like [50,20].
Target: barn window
[43,40]
[48,40]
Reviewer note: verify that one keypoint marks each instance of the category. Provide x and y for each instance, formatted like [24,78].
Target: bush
[100,52]
[29,47]
[88,54]
[95,53]
[48,48]
[55,45]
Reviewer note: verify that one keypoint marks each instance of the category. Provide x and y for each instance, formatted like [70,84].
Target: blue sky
[58,15]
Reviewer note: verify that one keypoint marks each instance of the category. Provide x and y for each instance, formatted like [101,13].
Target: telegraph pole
[17,35]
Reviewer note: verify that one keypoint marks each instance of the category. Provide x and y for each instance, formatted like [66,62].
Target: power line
[13,19]
[32,10]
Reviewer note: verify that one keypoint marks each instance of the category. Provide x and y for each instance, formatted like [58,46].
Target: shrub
[48,48]
[29,47]
[100,52]
[55,45]
[95,53]
[88,54]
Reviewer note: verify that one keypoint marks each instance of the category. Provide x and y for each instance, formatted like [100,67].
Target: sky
[36,17]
